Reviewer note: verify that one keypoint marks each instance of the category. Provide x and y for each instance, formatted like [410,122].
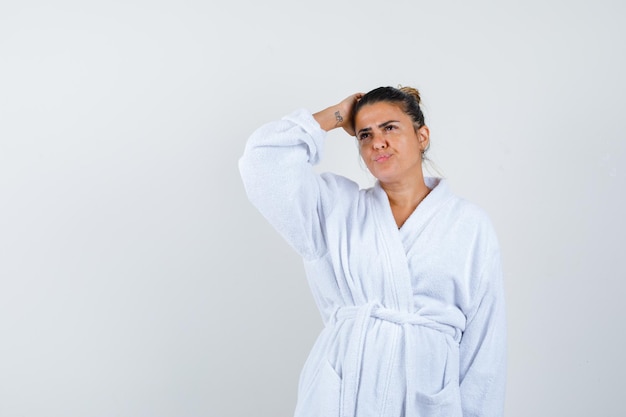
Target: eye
[389,127]
[364,136]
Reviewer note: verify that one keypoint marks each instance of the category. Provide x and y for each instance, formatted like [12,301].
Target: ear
[423,136]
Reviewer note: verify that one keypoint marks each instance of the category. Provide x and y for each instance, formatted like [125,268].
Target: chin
[383,176]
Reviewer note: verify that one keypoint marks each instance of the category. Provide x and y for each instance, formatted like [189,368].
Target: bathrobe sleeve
[483,347]
[277,171]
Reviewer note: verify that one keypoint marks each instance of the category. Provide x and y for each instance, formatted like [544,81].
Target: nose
[379,142]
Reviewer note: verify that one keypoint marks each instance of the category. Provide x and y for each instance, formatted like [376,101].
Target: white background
[137,280]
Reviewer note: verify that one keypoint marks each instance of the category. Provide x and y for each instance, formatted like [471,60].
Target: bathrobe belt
[354,356]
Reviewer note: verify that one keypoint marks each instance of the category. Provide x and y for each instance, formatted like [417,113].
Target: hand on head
[339,115]
[346,106]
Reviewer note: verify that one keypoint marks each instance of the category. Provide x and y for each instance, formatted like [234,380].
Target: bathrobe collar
[396,255]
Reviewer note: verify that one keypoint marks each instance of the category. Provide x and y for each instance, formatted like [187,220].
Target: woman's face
[388,142]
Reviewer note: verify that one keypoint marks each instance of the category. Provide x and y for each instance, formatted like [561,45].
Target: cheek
[366,153]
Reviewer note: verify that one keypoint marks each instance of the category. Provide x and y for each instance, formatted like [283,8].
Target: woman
[406,275]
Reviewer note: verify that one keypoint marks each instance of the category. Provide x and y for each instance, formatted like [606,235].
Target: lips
[382,157]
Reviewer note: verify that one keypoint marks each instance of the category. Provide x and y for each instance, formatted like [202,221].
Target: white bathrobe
[414,318]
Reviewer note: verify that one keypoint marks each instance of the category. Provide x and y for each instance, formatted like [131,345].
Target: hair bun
[412,92]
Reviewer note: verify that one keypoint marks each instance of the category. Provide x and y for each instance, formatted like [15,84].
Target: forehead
[374,114]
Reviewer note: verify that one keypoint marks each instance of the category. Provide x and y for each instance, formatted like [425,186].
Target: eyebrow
[367,129]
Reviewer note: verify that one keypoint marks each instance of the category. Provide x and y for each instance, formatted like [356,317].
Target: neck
[404,198]
[406,195]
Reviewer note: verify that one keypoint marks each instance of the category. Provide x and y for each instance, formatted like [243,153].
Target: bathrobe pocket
[445,403]
[322,397]
[445,400]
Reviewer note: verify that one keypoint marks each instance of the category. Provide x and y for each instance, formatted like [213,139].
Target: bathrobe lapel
[396,268]
[399,242]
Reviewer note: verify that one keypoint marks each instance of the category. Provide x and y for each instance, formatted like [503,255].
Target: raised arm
[339,115]
[277,172]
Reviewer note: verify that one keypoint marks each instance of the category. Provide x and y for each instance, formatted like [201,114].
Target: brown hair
[407,97]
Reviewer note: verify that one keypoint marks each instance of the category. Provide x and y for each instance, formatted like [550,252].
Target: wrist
[330,118]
